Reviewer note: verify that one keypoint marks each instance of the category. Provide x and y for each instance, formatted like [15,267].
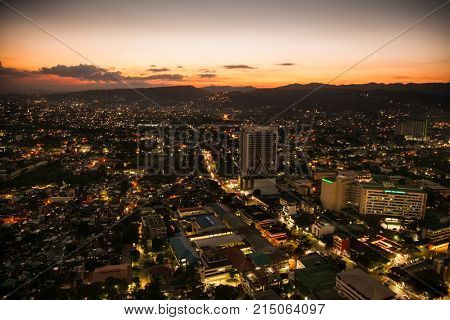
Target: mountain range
[332,97]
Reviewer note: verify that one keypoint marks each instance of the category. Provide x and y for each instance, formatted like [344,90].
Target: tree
[160,258]
[124,186]
[130,233]
[157,244]
[91,264]
[223,292]
[256,193]
[137,281]
[135,255]
[233,272]
[151,291]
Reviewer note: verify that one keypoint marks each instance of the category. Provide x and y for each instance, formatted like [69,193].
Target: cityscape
[222,182]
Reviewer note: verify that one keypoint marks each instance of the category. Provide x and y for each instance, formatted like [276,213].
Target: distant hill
[345,97]
[216,89]
[161,95]
[370,96]
[428,88]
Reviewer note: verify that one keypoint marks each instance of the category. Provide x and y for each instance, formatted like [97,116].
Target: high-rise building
[413,129]
[342,191]
[390,201]
[258,151]
[258,159]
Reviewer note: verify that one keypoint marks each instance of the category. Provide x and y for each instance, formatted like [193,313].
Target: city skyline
[261,44]
[283,155]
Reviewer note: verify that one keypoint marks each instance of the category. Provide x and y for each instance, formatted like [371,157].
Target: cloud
[13,73]
[11,79]
[286,64]
[84,72]
[94,73]
[206,70]
[207,75]
[158,69]
[172,77]
[238,66]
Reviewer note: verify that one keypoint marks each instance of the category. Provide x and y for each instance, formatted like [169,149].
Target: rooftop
[366,285]
[208,221]
[183,249]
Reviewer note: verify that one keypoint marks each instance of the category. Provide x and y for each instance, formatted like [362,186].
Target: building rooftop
[183,249]
[238,259]
[312,260]
[366,285]
[316,278]
[208,221]
[394,189]
[267,295]
[218,241]
[112,268]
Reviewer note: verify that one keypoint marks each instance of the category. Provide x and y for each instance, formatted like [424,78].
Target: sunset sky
[206,42]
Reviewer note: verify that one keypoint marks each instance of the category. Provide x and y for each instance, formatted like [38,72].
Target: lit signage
[394,191]
[327,181]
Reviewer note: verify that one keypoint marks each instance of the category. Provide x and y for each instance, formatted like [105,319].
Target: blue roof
[183,249]
[208,221]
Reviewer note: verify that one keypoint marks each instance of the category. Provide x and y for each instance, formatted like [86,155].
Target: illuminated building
[340,192]
[341,244]
[321,228]
[389,201]
[413,129]
[258,159]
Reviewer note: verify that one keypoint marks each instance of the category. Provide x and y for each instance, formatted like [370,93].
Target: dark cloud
[238,66]
[93,73]
[83,71]
[206,70]
[286,64]
[207,75]
[158,69]
[88,73]
[172,77]
[13,73]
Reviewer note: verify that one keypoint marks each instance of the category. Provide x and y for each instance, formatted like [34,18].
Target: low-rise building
[358,285]
[118,271]
[153,227]
[441,266]
[321,228]
[341,244]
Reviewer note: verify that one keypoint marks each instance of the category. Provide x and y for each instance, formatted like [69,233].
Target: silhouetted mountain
[371,96]
[160,95]
[428,88]
[347,97]
[216,89]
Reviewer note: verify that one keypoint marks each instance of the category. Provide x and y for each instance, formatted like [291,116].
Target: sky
[261,43]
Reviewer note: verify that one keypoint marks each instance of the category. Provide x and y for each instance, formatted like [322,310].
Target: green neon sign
[394,191]
[327,181]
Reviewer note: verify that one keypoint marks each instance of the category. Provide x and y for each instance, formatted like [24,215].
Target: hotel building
[394,202]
